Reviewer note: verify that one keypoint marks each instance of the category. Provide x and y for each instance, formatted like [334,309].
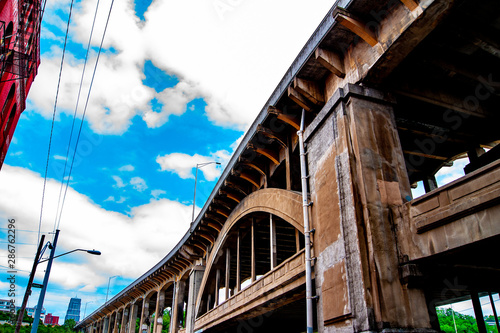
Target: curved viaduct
[392,92]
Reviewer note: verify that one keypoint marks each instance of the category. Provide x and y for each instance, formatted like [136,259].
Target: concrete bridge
[392,91]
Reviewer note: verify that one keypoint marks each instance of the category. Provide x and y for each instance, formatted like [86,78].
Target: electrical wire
[59,213]
[45,232]
[86,105]
[53,120]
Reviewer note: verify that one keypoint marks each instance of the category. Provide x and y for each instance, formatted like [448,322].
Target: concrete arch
[282,203]
[166,285]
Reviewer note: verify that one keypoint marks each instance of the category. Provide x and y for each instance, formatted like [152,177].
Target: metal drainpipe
[305,205]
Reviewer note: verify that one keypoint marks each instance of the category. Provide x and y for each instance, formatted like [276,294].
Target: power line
[86,105]
[44,232]
[53,119]
[59,214]
[18,243]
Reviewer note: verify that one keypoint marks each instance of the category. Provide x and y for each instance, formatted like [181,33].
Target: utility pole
[28,288]
[39,306]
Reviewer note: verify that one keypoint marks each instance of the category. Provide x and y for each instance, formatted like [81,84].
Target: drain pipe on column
[307,231]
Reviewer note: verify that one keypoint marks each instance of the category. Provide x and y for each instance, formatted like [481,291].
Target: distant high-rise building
[73,309]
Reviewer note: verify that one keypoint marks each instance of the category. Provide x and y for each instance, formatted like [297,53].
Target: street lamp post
[107,291]
[85,311]
[198,166]
[39,306]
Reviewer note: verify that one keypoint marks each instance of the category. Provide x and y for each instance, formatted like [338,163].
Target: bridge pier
[359,178]
[117,322]
[132,318]
[144,323]
[124,321]
[195,278]
[160,306]
[106,324]
[177,306]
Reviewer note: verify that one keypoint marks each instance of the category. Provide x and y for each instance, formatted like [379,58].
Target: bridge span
[392,91]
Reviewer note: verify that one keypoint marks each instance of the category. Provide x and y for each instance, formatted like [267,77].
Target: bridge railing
[288,276]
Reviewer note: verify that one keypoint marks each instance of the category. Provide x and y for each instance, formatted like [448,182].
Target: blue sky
[177,84]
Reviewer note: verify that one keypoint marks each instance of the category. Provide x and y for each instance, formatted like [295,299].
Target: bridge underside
[454,274]
[284,314]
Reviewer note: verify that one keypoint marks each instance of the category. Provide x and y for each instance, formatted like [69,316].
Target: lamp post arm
[198,166]
[63,254]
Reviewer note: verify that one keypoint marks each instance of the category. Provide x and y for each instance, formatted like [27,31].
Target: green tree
[70,324]
[449,318]
[166,321]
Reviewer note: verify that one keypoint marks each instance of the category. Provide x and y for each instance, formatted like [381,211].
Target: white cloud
[127,168]
[174,102]
[119,182]
[157,193]
[121,200]
[149,233]
[446,175]
[139,184]
[60,158]
[223,56]
[184,165]
[110,198]
[113,199]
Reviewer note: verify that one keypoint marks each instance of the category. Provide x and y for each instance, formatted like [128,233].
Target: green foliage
[68,327]
[464,323]
[4,315]
[166,321]
[70,324]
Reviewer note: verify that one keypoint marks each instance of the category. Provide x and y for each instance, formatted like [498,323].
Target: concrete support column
[124,322]
[217,287]
[177,306]
[228,271]
[112,322]
[238,265]
[195,278]
[358,182]
[160,306]
[118,320]
[144,323]
[106,324]
[273,246]
[253,251]
[132,318]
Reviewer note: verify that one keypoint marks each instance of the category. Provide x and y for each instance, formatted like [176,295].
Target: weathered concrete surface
[368,154]
[460,213]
